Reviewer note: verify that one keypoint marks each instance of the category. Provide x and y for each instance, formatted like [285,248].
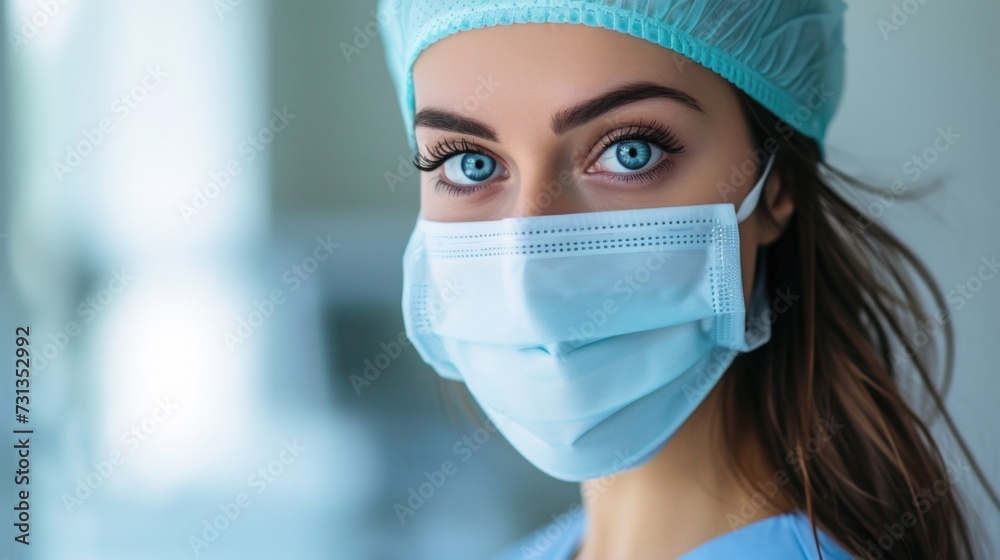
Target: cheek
[434,205]
[426,201]
[426,192]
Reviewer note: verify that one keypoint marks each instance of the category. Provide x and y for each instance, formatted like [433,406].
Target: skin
[679,499]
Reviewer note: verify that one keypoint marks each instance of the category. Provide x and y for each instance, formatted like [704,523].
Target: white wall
[939,69]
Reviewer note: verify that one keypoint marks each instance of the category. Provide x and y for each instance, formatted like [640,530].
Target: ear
[779,203]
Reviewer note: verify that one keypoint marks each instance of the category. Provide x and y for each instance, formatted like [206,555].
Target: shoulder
[783,537]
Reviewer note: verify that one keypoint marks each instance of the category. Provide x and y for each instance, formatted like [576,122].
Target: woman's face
[536,119]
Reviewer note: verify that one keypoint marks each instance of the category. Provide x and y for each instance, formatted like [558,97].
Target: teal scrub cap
[786,54]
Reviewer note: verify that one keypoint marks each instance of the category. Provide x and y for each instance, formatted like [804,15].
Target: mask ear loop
[750,202]
[758,327]
[758,330]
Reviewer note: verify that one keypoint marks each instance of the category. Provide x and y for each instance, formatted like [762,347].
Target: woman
[629,250]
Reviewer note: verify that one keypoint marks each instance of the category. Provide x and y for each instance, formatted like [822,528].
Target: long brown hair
[845,352]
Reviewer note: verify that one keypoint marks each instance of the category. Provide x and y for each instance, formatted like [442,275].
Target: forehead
[533,69]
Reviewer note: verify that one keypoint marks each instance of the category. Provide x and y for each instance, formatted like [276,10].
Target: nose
[550,194]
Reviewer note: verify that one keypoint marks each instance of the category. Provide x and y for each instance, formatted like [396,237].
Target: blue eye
[633,155]
[629,156]
[470,168]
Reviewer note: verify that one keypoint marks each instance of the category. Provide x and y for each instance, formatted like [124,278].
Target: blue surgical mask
[587,338]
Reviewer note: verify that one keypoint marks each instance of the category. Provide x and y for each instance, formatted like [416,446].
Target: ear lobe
[780,208]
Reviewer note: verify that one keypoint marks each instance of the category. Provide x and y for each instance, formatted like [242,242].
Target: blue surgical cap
[786,54]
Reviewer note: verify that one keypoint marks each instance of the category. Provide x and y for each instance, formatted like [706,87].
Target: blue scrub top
[783,537]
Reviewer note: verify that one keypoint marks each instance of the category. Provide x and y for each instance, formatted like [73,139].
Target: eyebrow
[565,119]
[629,93]
[453,122]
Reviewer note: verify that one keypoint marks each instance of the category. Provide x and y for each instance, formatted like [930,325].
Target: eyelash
[442,152]
[660,136]
[653,133]
[452,190]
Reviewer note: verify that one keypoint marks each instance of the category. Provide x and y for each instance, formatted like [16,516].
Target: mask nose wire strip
[750,202]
